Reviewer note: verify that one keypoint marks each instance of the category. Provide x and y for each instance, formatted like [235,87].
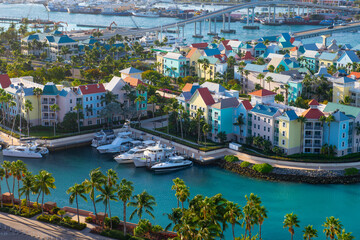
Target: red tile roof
[247,104]
[92,88]
[133,82]
[292,40]
[191,52]
[187,87]
[312,113]
[199,45]
[313,103]
[206,96]
[4,80]
[248,56]
[225,42]
[262,93]
[356,74]
[293,49]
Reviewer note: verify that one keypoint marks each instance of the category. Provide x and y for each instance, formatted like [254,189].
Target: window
[254,125]
[264,136]
[284,124]
[254,117]
[269,120]
[87,99]
[344,126]
[283,133]
[264,119]
[259,127]
[71,108]
[343,135]
[264,128]
[343,144]
[97,97]
[89,122]
[70,100]
[268,129]
[283,142]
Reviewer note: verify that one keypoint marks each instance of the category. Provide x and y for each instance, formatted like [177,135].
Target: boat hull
[138,162]
[123,161]
[21,154]
[172,168]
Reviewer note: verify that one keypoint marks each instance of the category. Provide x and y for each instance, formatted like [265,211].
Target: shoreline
[291,175]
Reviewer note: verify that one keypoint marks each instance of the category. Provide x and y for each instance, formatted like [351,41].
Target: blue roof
[28,91]
[345,80]
[212,52]
[340,116]
[285,36]
[64,39]
[328,56]
[323,72]
[186,95]
[286,44]
[246,46]
[255,67]
[260,45]
[346,46]
[351,54]
[291,115]
[63,93]
[264,109]
[310,46]
[269,38]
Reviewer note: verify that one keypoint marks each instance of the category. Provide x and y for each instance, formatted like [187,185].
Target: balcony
[308,145]
[308,135]
[44,102]
[317,127]
[317,136]
[309,127]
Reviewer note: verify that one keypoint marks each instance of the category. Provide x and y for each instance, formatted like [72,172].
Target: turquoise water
[39,11]
[311,202]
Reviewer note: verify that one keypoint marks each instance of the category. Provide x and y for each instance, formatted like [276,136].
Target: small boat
[153,154]
[25,151]
[135,152]
[146,14]
[120,144]
[103,137]
[174,163]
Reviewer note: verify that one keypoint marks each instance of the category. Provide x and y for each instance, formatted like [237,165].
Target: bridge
[198,20]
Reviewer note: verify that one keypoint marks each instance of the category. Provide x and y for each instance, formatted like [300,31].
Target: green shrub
[55,219]
[244,164]
[263,168]
[231,158]
[351,171]
[43,218]
[55,210]
[88,219]
[113,234]
[115,222]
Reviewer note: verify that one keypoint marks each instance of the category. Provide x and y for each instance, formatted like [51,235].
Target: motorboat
[120,144]
[153,154]
[148,40]
[103,137]
[146,14]
[25,151]
[136,152]
[174,163]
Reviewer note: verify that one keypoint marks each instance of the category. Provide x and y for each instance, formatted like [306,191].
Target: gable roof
[206,96]
[248,56]
[279,77]
[133,82]
[92,88]
[355,74]
[226,103]
[348,110]
[289,115]
[312,113]
[313,102]
[191,52]
[352,56]
[212,52]
[323,72]
[260,45]
[247,105]
[262,93]
[187,87]
[310,47]
[255,68]
[213,87]
[310,54]
[199,45]
[114,82]
[328,56]
[344,80]
[340,116]
[4,80]
[173,55]
[131,70]
[185,95]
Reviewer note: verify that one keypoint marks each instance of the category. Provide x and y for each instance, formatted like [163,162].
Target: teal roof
[286,44]
[348,110]
[264,109]
[50,89]
[340,116]
[212,60]
[246,46]
[260,46]
[255,67]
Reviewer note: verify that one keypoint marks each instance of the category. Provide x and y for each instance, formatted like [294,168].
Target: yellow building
[327,59]
[193,55]
[341,88]
[289,132]
[202,100]
[160,62]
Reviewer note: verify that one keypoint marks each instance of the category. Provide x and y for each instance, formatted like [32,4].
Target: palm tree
[139,99]
[206,129]
[28,109]
[38,92]
[233,215]
[17,170]
[269,79]
[142,202]
[45,182]
[240,122]
[332,227]
[153,100]
[7,168]
[125,192]
[261,215]
[261,76]
[27,188]
[183,194]
[301,120]
[95,181]
[198,118]
[75,191]
[77,108]
[111,177]
[345,236]
[291,221]
[178,182]
[328,120]
[107,194]
[309,232]
[55,108]
[181,111]
[2,175]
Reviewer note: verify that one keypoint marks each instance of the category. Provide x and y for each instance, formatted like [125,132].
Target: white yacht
[135,152]
[147,14]
[153,154]
[103,137]
[120,144]
[148,40]
[26,151]
[173,164]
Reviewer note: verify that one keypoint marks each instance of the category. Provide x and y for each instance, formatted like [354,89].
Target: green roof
[348,110]
[50,89]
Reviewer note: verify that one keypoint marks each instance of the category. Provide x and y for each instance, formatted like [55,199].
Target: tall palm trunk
[78,120]
[93,200]
[1,198]
[37,199]
[181,128]
[19,194]
[39,110]
[125,218]
[42,203]
[77,208]
[104,216]
[13,191]
[28,124]
[260,231]
[329,140]
[233,230]
[7,183]
[110,214]
[28,203]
